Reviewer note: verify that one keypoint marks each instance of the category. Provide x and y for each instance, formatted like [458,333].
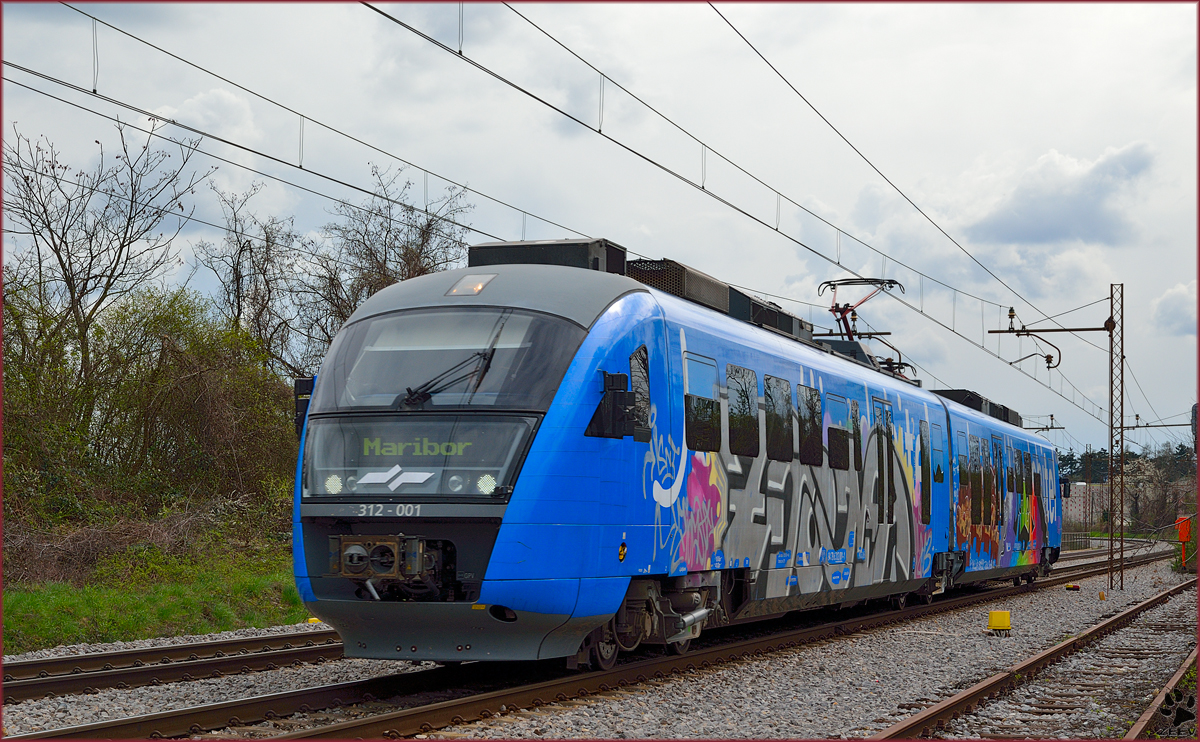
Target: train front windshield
[447,358]
[432,403]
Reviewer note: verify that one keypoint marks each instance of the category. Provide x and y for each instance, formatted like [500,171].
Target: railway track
[85,673]
[1090,672]
[430,699]
[1173,711]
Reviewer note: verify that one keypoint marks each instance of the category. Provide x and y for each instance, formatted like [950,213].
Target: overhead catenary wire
[167,210]
[1045,317]
[873,167]
[709,192]
[706,148]
[309,118]
[277,160]
[561,226]
[205,134]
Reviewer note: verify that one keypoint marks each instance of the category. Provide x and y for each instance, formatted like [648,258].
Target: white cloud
[1174,312]
[219,112]
[1062,199]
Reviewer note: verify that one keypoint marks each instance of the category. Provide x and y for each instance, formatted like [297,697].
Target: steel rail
[256,709]
[197,719]
[157,674]
[934,717]
[77,663]
[1149,720]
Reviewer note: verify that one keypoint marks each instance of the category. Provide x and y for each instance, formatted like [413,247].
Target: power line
[247,168]
[914,205]
[698,186]
[708,149]
[303,116]
[1076,309]
[649,160]
[873,167]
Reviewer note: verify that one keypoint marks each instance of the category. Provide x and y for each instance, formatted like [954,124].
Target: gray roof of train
[579,295]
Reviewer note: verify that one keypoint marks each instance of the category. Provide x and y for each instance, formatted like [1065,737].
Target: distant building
[1086,506]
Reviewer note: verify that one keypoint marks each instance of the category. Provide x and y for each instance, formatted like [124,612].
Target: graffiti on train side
[810,528]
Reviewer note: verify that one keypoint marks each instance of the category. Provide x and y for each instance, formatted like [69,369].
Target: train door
[883,498]
[935,492]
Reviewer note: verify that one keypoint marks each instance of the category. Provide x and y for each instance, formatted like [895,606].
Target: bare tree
[255,262]
[91,236]
[373,245]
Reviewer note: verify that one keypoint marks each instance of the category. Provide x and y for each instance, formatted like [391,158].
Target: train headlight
[352,484]
[456,483]
[333,485]
[486,484]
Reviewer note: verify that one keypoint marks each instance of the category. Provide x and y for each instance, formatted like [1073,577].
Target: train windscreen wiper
[483,363]
[424,392]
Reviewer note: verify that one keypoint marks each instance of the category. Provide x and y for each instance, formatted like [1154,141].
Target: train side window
[639,383]
[976,481]
[939,450]
[926,473]
[810,413]
[777,395]
[856,435]
[1013,488]
[1037,479]
[964,476]
[702,413]
[839,436]
[1028,473]
[989,479]
[998,464]
[742,384]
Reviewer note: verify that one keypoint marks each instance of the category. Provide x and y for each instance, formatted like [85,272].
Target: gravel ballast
[112,703]
[849,687]
[843,687]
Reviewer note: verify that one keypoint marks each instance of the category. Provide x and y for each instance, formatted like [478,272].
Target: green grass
[143,593]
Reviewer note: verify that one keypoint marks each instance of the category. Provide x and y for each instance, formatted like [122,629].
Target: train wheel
[926,599]
[604,654]
[680,647]
[899,601]
[1017,581]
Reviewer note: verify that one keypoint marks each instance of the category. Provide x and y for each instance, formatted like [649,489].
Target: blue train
[556,452]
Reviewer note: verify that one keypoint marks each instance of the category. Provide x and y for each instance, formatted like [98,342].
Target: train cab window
[639,383]
[926,473]
[839,435]
[989,480]
[976,482]
[939,447]
[742,384]
[810,414]
[702,413]
[777,398]
[375,364]
[856,435]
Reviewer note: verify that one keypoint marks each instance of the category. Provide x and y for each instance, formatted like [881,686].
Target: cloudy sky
[1055,144]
